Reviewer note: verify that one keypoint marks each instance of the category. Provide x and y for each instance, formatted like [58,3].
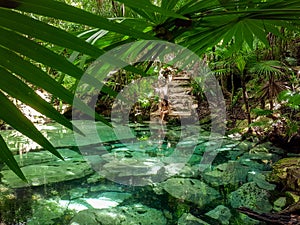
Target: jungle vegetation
[252,46]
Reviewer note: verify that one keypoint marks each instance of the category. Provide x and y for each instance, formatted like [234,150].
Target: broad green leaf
[17,120]
[231,30]
[66,12]
[248,35]
[32,74]
[241,63]
[262,112]
[239,36]
[258,30]
[259,124]
[149,8]
[169,4]
[38,53]
[7,157]
[24,24]
[19,90]
[41,54]
[200,6]
[294,101]
[285,95]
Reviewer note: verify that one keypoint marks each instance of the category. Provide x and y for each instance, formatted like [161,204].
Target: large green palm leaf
[16,48]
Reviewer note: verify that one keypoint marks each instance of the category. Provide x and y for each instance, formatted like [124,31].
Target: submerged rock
[190,190]
[124,215]
[189,219]
[261,182]
[77,192]
[250,196]
[226,173]
[220,213]
[49,212]
[47,173]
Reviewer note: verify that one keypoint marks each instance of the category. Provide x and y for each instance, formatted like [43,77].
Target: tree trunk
[272,218]
[246,100]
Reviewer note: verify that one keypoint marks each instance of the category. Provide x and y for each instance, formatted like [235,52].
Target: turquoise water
[146,174]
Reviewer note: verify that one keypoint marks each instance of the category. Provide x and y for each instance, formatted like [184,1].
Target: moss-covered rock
[279,204]
[227,173]
[190,190]
[124,215]
[287,173]
[189,219]
[251,196]
[221,213]
[38,172]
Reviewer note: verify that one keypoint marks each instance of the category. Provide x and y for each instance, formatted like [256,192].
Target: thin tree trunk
[246,100]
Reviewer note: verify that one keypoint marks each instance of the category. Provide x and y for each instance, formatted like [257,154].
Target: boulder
[279,204]
[287,173]
[190,190]
[250,196]
[226,173]
[53,171]
[220,213]
[189,219]
[124,215]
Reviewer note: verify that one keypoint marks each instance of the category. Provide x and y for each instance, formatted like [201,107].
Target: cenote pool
[151,175]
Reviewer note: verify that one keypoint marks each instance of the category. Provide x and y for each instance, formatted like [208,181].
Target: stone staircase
[181,103]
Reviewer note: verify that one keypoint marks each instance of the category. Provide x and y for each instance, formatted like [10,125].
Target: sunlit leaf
[63,11]
[7,156]
[16,119]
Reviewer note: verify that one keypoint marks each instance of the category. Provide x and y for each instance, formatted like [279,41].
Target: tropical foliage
[29,46]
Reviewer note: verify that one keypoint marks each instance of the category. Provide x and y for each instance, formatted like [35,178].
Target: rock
[279,204]
[190,190]
[75,205]
[259,160]
[137,171]
[261,182]
[195,159]
[245,145]
[106,187]
[50,172]
[34,158]
[287,173]
[49,212]
[94,178]
[190,171]
[220,213]
[77,192]
[226,173]
[252,197]
[176,168]
[116,196]
[292,197]
[189,219]
[260,148]
[124,215]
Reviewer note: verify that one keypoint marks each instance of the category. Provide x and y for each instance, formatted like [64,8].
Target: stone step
[174,114]
[181,78]
[177,83]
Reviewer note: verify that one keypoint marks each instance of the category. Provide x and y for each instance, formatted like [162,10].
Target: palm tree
[196,25]
[271,74]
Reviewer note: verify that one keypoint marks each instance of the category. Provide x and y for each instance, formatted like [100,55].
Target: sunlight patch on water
[101,203]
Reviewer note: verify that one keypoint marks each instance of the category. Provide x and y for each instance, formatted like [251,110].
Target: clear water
[151,174]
